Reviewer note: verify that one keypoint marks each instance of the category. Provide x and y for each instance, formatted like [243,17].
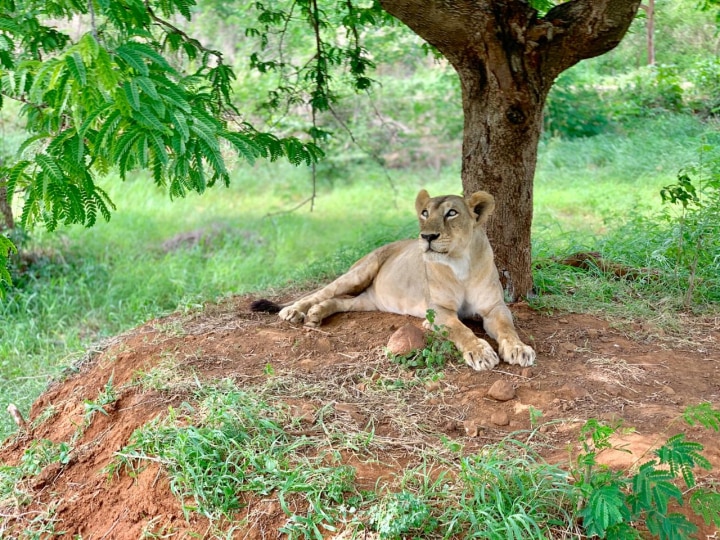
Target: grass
[90,284]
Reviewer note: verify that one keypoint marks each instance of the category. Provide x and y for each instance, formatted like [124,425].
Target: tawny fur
[450,270]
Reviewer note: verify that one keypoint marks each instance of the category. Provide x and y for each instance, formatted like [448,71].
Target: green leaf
[682,456]
[106,73]
[702,414]
[671,527]
[6,249]
[50,167]
[706,504]
[245,146]
[132,93]
[605,508]
[77,68]
[147,86]
[133,58]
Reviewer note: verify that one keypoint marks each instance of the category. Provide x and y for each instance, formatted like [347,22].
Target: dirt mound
[585,368]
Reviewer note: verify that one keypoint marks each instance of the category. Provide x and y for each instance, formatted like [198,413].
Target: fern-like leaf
[681,456]
[706,504]
[76,66]
[703,414]
[605,508]
[669,527]
[6,248]
[132,57]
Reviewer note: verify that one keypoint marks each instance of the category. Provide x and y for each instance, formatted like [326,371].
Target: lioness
[450,270]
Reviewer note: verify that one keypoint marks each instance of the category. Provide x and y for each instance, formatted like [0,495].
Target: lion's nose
[430,237]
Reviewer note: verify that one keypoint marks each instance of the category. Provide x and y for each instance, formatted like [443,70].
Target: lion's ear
[421,200]
[482,204]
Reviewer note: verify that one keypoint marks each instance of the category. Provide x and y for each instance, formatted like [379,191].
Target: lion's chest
[468,288]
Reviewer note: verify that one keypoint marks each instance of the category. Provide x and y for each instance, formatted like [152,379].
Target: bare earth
[586,368]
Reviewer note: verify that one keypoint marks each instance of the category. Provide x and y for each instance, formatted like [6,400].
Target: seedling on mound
[430,360]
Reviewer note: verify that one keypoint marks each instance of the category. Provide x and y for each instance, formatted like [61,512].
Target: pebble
[471,428]
[500,418]
[502,390]
[405,340]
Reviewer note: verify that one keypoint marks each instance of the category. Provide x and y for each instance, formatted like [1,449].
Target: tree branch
[585,29]
[175,30]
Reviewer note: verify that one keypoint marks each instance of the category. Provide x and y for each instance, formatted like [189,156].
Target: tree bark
[507,59]
[6,213]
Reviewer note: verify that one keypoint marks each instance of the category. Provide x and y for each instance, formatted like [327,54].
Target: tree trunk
[499,155]
[650,31]
[507,59]
[7,222]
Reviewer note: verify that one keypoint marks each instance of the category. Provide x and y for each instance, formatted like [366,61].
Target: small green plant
[535,416]
[614,503]
[107,396]
[694,240]
[403,514]
[431,359]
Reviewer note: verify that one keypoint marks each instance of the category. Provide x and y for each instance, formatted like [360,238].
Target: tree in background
[133,90]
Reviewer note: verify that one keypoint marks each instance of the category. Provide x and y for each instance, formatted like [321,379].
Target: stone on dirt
[500,418]
[405,340]
[502,390]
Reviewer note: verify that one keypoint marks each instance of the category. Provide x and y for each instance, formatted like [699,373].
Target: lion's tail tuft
[265,305]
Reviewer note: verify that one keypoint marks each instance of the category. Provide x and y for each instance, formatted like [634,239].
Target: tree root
[592,260]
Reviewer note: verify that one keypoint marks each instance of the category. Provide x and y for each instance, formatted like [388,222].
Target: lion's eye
[451,213]
[424,214]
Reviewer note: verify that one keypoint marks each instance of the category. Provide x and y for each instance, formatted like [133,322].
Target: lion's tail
[268,306]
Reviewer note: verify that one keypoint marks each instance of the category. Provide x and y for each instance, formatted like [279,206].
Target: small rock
[305,413]
[563,321]
[500,418]
[432,386]
[593,333]
[502,390]
[567,347]
[574,391]
[668,390]
[405,340]
[527,373]
[471,428]
[323,345]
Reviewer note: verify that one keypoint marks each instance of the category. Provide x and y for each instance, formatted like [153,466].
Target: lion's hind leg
[318,312]
[313,308]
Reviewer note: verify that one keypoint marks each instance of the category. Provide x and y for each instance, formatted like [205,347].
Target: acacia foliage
[131,91]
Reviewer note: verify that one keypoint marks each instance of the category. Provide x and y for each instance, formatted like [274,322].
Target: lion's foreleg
[477,353]
[499,325]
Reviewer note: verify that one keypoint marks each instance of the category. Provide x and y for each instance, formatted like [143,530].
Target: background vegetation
[618,132]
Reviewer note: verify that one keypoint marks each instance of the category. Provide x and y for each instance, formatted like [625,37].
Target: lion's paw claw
[291,314]
[482,358]
[517,353]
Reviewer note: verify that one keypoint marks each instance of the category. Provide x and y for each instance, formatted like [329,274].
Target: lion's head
[447,223]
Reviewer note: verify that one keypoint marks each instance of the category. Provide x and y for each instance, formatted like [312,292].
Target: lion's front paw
[314,316]
[517,353]
[291,314]
[481,357]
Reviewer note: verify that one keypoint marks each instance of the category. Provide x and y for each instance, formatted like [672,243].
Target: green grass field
[90,284]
